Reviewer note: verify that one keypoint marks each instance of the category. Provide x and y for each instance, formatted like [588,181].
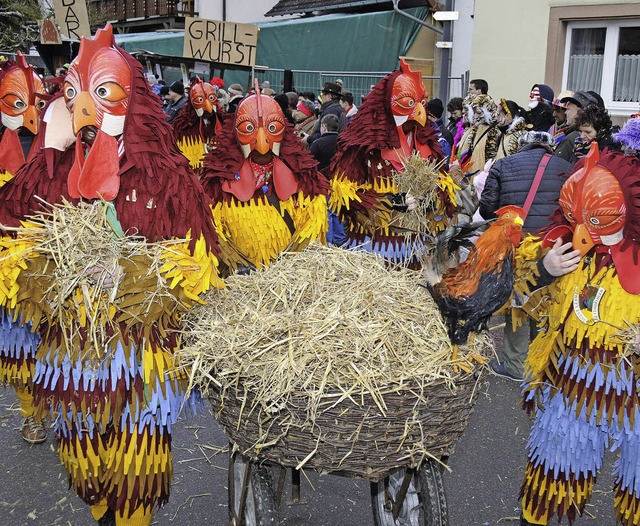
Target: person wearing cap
[508,183]
[435,109]
[575,104]
[236,93]
[177,100]
[330,106]
[540,114]
[560,127]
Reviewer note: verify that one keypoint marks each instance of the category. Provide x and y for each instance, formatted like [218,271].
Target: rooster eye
[594,221]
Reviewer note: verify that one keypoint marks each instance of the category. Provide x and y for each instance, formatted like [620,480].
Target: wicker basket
[352,437]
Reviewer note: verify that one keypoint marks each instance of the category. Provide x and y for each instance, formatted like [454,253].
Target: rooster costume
[374,145]
[268,194]
[197,125]
[115,404]
[582,379]
[22,98]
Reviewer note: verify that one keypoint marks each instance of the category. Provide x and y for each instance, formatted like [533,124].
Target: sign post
[217,41]
[71,16]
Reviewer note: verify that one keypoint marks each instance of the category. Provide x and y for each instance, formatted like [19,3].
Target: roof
[291,7]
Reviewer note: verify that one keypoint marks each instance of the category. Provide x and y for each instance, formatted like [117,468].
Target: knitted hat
[235,90]
[177,87]
[546,93]
[536,137]
[436,108]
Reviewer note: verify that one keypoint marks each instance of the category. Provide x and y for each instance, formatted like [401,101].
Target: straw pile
[80,271]
[420,179]
[329,358]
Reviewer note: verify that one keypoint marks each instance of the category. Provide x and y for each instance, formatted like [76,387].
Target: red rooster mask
[22,99]
[97,89]
[600,203]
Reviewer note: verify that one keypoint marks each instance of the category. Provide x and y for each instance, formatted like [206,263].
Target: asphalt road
[482,487]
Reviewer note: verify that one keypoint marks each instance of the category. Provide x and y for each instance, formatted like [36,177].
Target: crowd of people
[245,173]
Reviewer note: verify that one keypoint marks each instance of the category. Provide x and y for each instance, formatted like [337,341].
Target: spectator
[511,182]
[435,111]
[561,126]
[575,105]
[305,117]
[477,87]
[512,123]
[593,124]
[346,101]
[330,106]
[454,107]
[540,110]
[324,147]
[340,83]
[268,92]
[164,95]
[177,100]
[236,94]
[283,102]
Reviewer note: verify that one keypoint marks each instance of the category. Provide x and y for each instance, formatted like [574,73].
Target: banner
[225,42]
[71,16]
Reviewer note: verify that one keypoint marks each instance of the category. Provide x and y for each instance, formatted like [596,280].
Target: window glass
[586,59]
[627,81]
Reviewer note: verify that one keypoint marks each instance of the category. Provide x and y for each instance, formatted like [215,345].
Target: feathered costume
[369,151]
[582,381]
[479,143]
[197,125]
[22,98]
[115,404]
[268,194]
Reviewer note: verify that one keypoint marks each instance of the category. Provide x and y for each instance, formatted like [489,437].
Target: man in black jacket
[330,106]
[508,183]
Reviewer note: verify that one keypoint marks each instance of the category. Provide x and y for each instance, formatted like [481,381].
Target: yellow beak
[84,112]
[421,115]
[582,241]
[262,144]
[31,119]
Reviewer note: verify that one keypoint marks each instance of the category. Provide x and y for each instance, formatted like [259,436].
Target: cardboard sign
[49,33]
[224,42]
[71,16]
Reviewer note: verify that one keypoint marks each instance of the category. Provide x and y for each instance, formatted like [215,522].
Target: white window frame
[622,109]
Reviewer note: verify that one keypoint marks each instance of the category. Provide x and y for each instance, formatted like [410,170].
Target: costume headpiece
[22,95]
[203,97]
[259,124]
[600,203]
[408,96]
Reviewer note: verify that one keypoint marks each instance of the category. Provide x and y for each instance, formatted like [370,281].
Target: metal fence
[359,83]
[35,60]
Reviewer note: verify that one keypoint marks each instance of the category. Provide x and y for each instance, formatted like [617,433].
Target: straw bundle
[420,178]
[88,281]
[325,355]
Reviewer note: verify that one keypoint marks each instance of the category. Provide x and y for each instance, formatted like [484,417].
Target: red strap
[536,183]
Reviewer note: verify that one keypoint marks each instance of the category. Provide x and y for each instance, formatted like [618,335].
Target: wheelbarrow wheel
[259,507]
[424,504]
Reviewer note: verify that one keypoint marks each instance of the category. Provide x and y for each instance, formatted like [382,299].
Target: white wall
[242,11]
[462,44]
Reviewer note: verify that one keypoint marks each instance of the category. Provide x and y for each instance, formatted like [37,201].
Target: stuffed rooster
[469,293]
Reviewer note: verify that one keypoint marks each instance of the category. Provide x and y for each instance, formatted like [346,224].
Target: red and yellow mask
[203,98]
[408,97]
[22,96]
[98,85]
[259,125]
[593,202]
